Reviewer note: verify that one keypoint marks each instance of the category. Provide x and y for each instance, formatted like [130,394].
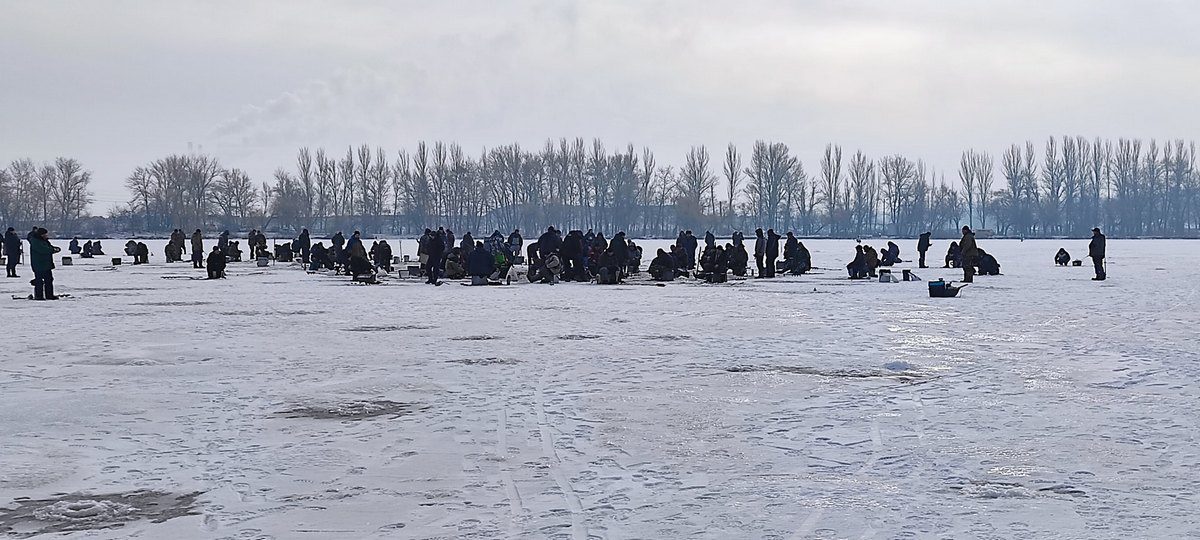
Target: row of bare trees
[53,194]
[1128,187]
[1073,184]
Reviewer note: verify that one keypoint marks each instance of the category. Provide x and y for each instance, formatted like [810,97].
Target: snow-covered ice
[1038,404]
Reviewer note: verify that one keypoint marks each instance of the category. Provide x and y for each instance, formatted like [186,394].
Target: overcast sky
[118,84]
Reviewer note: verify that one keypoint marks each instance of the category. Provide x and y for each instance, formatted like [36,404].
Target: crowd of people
[574,256]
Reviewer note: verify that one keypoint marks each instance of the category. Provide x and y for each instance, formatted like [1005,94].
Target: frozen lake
[279,404]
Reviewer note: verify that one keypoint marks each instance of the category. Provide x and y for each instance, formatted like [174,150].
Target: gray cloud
[120,83]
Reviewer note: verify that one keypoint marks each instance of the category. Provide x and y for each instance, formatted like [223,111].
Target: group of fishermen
[41,260]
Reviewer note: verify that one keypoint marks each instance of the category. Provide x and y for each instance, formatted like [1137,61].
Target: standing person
[1096,252]
[760,250]
[303,243]
[197,249]
[12,252]
[772,251]
[436,247]
[709,240]
[690,248]
[41,259]
[969,254]
[223,242]
[514,242]
[922,246]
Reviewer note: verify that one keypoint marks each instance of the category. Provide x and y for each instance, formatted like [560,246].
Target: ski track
[1039,404]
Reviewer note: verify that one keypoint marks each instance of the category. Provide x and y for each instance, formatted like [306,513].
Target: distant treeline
[1068,186]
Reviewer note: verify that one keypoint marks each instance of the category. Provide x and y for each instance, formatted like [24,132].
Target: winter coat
[760,246]
[12,245]
[923,243]
[773,245]
[197,243]
[480,263]
[41,254]
[515,241]
[969,252]
[548,242]
[216,262]
[709,239]
[1096,247]
[303,242]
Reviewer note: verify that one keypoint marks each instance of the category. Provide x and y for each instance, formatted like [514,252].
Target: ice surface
[1038,404]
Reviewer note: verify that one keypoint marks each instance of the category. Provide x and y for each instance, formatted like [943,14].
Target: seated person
[74,246]
[551,268]
[216,264]
[318,258]
[608,268]
[235,252]
[988,266]
[1062,258]
[891,255]
[858,267]
[383,256]
[480,263]
[953,256]
[800,261]
[662,267]
[283,252]
[131,248]
[872,258]
[501,265]
[87,251]
[738,258]
[359,265]
[96,249]
[454,267]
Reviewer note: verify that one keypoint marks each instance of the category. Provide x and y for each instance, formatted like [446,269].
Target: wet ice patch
[485,361]
[389,328]
[483,337]
[899,375]
[352,410]
[990,489]
[172,304]
[667,337]
[577,337]
[83,512]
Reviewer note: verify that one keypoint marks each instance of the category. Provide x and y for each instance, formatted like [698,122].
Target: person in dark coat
[467,244]
[197,249]
[572,256]
[760,250]
[1062,258]
[318,258]
[662,267]
[96,249]
[549,242]
[449,243]
[131,248]
[480,263]
[923,245]
[1096,252]
[772,252]
[738,259]
[12,252]
[858,267]
[801,260]
[620,250]
[74,246]
[41,261]
[216,262]
[437,249]
[223,242]
[872,258]
[690,246]
[338,241]
[891,255]
[88,251]
[988,266]
[970,254]
[142,255]
[383,256]
[514,242]
[304,244]
[953,256]
[709,239]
